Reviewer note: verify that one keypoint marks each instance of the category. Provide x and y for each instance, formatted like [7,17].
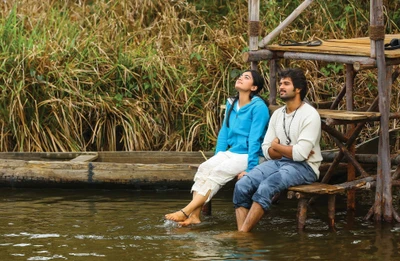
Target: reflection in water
[129,225]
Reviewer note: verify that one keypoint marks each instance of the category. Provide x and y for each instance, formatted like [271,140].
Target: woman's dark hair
[258,81]
[298,79]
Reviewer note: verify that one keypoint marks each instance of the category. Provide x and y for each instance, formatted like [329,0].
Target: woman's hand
[241,174]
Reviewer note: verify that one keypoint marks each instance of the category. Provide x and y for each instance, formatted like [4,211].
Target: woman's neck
[244,99]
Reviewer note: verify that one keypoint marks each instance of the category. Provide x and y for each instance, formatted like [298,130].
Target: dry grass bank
[88,75]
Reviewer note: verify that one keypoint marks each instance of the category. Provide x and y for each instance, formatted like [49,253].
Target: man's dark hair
[298,78]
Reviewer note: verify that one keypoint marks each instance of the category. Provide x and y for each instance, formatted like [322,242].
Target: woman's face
[245,83]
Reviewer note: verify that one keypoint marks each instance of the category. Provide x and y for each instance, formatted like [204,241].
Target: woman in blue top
[238,146]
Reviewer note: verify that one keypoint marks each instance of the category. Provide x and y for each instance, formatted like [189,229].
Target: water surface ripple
[91,225]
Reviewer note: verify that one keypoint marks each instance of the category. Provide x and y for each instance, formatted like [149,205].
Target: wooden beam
[285,23]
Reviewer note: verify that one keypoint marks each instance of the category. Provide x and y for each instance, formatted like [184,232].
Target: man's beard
[287,98]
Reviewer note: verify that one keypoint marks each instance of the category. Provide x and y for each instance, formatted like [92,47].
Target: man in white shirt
[291,147]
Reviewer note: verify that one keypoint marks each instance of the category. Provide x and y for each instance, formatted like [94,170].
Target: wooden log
[356,184]
[389,61]
[332,168]
[154,157]
[329,156]
[285,23]
[291,194]
[264,54]
[94,172]
[254,16]
[351,168]
[273,70]
[304,191]
[383,196]
[348,116]
[346,59]
[257,56]
[145,157]
[351,158]
[301,213]
[331,210]
[333,132]
[338,98]
[372,184]
[333,122]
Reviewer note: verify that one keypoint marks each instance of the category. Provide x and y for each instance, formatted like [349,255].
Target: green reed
[148,75]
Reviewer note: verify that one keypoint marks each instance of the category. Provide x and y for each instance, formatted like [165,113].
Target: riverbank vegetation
[87,75]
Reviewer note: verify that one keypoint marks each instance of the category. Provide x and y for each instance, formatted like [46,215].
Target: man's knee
[239,185]
[242,189]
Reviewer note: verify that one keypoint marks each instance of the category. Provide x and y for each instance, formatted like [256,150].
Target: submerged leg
[254,215]
[241,214]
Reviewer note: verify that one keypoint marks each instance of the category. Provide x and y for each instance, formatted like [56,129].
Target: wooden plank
[346,115]
[148,157]
[353,47]
[86,157]
[338,114]
[145,157]
[318,188]
[365,40]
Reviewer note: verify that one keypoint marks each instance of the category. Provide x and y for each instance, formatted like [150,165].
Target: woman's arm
[260,119]
[222,139]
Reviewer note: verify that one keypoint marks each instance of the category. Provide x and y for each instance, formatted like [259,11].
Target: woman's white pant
[217,171]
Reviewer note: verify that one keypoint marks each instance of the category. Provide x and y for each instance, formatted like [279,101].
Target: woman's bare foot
[191,220]
[177,216]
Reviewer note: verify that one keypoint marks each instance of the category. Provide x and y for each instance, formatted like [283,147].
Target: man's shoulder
[311,112]
[310,107]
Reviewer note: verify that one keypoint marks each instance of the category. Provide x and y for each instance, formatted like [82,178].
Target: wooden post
[301,213]
[254,27]
[351,173]
[273,68]
[383,194]
[384,145]
[331,210]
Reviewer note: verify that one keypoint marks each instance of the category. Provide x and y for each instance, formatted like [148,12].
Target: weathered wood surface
[318,188]
[346,115]
[113,167]
[14,171]
[142,169]
[86,157]
[354,47]
[135,169]
[145,157]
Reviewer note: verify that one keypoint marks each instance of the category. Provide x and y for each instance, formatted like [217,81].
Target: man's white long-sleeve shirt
[304,130]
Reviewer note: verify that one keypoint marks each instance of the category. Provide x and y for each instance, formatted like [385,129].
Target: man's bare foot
[191,220]
[177,216]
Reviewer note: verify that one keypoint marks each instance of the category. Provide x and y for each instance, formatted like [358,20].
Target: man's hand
[275,141]
[241,174]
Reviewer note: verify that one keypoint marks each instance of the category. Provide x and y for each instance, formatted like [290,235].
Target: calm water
[91,225]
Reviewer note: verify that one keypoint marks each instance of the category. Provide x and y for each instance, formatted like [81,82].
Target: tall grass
[148,75]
